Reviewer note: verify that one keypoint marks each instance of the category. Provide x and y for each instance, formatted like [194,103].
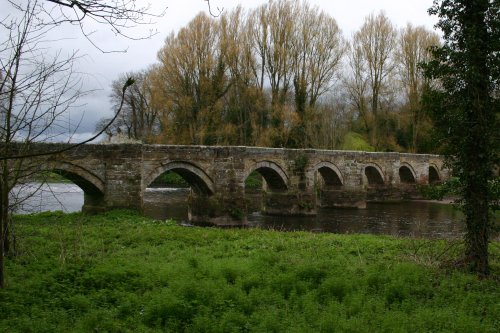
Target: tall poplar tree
[464,104]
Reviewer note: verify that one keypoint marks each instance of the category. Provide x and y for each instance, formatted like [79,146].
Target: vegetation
[120,272]
[465,108]
[170,178]
[449,189]
[254,181]
[355,141]
[50,177]
[282,75]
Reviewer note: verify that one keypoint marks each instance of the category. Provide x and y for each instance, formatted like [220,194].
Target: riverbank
[121,272]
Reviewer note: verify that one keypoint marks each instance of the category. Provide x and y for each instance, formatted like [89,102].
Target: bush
[449,188]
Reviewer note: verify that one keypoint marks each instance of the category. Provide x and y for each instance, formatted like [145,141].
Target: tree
[465,108]
[244,114]
[298,50]
[356,85]
[317,51]
[374,44]
[37,91]
[272,33]
[413,48]
[38,87]
[193,78]
[139,118]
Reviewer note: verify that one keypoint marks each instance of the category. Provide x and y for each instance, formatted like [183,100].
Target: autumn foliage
[283,75]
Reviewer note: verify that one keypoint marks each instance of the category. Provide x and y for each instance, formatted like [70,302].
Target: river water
[416,219]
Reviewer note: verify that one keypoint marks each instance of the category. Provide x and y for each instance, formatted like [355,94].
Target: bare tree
[375,42]
[194,80]
[316,53]
[258,26]
[140,116]
[280,26]
[243,104]
[120,17]
[37,93]
[330,120]
[356,85]
[413,48]
[38,90]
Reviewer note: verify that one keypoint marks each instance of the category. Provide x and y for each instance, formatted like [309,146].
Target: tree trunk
[374,132]
[477,157]
[3,229]
[2,278]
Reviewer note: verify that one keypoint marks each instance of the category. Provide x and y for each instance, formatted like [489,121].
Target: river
[416,219]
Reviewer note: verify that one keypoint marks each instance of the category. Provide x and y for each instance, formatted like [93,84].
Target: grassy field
[121,272]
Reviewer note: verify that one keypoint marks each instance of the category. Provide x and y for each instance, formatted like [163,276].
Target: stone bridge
[296,181]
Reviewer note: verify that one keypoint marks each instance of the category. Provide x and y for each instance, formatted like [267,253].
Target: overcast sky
[102,68]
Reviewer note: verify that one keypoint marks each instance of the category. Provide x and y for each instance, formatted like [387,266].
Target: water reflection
[417,219]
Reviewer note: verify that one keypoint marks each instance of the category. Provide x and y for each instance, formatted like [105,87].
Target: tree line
[282,75]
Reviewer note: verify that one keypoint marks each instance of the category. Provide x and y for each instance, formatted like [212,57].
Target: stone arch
[332,177]
[272,173]
[374,175]
[434,176]
[86,180]
[407,174]
[199,181]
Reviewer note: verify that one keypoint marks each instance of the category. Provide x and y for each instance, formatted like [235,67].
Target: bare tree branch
[121,17]
[130,81]
[219,10]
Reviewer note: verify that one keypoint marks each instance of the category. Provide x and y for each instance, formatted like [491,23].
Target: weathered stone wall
[117,175]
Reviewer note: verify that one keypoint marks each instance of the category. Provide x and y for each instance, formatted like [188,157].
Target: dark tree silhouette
[464,104]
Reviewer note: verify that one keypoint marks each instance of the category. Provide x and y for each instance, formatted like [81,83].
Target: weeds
[125,273]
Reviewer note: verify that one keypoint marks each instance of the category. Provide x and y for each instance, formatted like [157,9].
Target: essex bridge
[297,181]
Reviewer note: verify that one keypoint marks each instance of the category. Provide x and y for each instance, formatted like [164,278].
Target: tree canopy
[284,75]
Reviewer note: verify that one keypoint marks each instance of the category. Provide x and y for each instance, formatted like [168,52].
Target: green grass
[121,272]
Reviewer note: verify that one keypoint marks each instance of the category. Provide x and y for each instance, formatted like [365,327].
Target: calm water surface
[418,219]
[35,197]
